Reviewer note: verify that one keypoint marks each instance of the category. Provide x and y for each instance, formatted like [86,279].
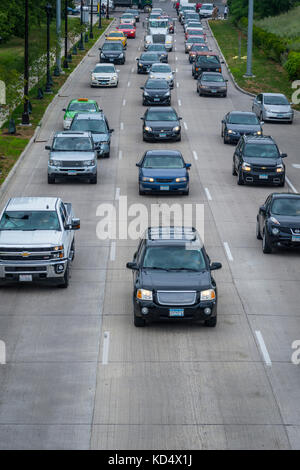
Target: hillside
[285,25]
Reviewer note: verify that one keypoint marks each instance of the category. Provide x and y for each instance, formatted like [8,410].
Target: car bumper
[80,172]
[256,178]
[284,238]
[164,187]
[210,92]
[39,271]
[111,60]
[151,101]
[99,83]
[158,312]
[161,136]
[280,118]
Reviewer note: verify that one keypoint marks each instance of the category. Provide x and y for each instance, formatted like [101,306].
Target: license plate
[72,172]
[214,91]
[156,99]
[103,83]
[263,177]
[111,60]
[176,312]
[164,188]
[296,238]
[280,115]
[162,135]
[25,278]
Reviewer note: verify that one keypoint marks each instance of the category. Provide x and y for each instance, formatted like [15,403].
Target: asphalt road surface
[79,375]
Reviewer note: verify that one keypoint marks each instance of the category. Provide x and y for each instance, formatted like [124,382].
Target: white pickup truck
[37,240]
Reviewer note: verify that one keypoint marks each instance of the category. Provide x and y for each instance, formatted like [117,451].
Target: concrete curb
[37,130]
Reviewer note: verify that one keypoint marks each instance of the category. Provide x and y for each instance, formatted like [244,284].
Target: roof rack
[172,232]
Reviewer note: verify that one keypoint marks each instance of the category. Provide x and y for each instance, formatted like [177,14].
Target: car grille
[265,169]
[176,297]
[70,164]
[16,269]
[158,38]
[161,180]
[23,254]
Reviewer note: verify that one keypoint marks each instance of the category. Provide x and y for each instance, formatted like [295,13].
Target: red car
[128,30]
[198,6]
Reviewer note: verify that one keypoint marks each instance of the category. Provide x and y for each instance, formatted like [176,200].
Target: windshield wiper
[183,269]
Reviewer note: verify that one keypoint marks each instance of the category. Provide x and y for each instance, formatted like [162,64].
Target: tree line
[262,8]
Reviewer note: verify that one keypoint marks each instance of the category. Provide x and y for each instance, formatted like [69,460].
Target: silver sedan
[159,70]
[273,107]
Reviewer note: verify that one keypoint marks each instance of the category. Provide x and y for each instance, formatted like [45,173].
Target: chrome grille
[176,297]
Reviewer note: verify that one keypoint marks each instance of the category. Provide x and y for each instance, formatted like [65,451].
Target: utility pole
[57,71]
[25,115]
[250,40]
[66,64]
[92,20]
[48,9]
[100,14]
[107,10]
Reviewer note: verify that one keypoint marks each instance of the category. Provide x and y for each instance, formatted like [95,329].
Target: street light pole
[100,14]
[66,64]
[81,46]
[250,40]
[107,9]
[57,71]
[48,88]
[25,115]
[92,20]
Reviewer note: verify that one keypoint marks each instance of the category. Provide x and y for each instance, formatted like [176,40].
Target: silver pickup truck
[37,240]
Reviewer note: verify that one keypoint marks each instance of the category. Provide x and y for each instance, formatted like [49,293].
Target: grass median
[269,75]
[11,146]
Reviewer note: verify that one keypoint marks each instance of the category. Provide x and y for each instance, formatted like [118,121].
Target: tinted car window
[163,161]
[276,100]
[104,69]
[161,116]
[150,57]
[157,84]
[173,257]
[211,78]
[286,206]
[97,126]
[258,150]
[72,144]
[243,119]
[36,220]
[209,60]
[90,107]
[112,47]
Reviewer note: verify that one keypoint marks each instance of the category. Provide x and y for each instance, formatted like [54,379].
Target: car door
[137,257]
[262,216]
[259,104]
[224,124]
[67,234]
[238,155]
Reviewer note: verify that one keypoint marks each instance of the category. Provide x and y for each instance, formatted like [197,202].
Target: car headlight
[167,93]
[204,86]
[175,129]
[150,180]
[258,133]
[89,163]
[152,76]
[93,77]
[179,180]
[188,46]
[102,55]
[274,221]
[208,294]
[148,129]
[121,55]
[146,93]
[231,132]
[55,162]
[170,77]
[246,167]
[280,168]
[140,65]
[144,294]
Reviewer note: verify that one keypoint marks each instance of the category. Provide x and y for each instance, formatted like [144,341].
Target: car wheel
[179,138]
[240,179]
[51,179]
[73,250]
[93,180]
[107,155]
[139,322]
[282,183]
[186,193]
[266,245]
[233,169]
[258,234]
[211,322]
[224,139]
[225,95]
[66,278]
[141,192]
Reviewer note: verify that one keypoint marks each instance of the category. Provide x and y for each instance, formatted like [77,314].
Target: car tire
[66,278]
[141,192]
[225,95]
[240,180]
[51,179]
[258,234]
[138,322]
[234,173]
[224,139]
[73,249]
[179,139]
[93,180]
[186,193]
[211,322]
[281,185]
[266,244]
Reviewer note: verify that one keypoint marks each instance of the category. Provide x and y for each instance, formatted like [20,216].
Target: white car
[162,71]
[104,75]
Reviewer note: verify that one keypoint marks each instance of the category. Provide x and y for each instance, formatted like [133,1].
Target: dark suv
[172,277]
[258,160]
[97,124]
[112,51]
[206,62]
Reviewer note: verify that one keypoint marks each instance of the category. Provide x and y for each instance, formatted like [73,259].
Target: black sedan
[160,50]
[212,84]
[172,278]
[238,123]
[156,92]
[112,51]
[161,124]
[145,61]
[278,221]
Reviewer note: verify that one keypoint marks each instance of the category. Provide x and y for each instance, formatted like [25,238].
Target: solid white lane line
[113,251]
[179,102]
[185,125]
[122,126]
[117,196]
[208,194]
[124,102]
[263,348]
[228,252]
[120,154]
[105,348]
[195,155]
[291,185]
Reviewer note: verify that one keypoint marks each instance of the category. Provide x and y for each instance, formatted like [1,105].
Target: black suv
[258,160]
[112,51]
[97,124]
[156,91]
[278,221]
[172,277]
[206,62]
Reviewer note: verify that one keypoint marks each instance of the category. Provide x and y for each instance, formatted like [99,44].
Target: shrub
[292,65]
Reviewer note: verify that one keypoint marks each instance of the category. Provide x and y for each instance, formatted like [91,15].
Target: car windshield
[161,116]
[163,161]
[286,206]
[276,100]
[157,85]
[247,119]
[211,78]
[194,24]
[150,57]
[104,69]
[96,126]
[112,47]
[261,150]
[84,106]
[115,35]
[198,47]
[157,47]
[72,144]
[207,7]
[209,60]
[196,40]
[192,16]
[179,257]
[158,23]
[194,32]
[35,220]
[128,16]
[125,26]
[161,68]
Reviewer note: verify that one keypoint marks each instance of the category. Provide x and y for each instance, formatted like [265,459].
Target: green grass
[11,146]
[269,75]
[286,25]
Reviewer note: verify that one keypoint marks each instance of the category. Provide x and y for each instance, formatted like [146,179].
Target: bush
[292,65]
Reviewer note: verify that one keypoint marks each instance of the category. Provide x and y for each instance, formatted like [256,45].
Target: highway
[79,375]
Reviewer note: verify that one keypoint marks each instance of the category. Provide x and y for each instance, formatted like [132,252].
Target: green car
[82,105]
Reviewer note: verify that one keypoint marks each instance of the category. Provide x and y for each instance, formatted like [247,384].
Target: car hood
[104,74]
[162,124]
[156,92]
[161,75]
[263,161]
[112,52]
[277,108]
[164,173]
[172,280]
[100,138]
[288,220]
[26,239]
[243,128]
[72,156]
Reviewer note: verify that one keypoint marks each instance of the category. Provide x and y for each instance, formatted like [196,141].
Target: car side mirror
[283,155]
[262,209]
[226,80]
[262,123]
[188,166]
[142,88]
[111,131]
[117,70]
[132,266]
[47,147]
[100,48]
[215,266]
[136,58]
[75,224]
[64,109]
[180,118]
[223,121]
[142,118]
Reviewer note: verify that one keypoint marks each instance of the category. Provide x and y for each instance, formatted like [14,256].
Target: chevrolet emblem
[25,254]
[263,167]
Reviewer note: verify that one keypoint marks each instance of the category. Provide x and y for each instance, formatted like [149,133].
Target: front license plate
[25,278]
[176,312]
[156,99]
[280,115]
[214,91]
[72,172]
[296,239]
[162,135]
[263,177]
[164,188]
[111,60]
